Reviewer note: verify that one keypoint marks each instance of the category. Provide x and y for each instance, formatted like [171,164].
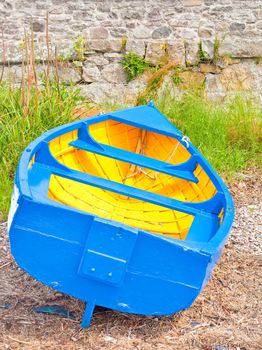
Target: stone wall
[149,28]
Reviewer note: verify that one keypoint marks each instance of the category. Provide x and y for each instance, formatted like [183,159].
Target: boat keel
[88,313]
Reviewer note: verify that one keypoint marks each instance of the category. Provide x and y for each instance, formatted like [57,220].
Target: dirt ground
[227,315]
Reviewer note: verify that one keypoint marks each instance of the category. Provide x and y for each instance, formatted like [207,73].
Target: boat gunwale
[210,247]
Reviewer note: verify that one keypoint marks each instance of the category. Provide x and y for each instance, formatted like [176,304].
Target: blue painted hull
[131,271]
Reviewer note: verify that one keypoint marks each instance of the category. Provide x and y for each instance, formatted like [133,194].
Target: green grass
[20,123]
[134,65]
[228,134]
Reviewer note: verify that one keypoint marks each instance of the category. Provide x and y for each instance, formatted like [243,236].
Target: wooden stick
[18,340]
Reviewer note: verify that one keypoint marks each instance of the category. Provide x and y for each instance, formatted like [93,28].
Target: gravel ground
[247,229]
[227,314]
[246,233]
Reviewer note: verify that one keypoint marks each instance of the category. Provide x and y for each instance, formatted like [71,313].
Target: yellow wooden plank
[143,215]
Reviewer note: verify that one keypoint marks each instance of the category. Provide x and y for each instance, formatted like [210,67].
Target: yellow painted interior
[133,212]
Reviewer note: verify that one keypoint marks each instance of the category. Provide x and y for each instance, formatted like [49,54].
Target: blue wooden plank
[146,117]
[201,208]
[139,159]
[107,252]
[203,228]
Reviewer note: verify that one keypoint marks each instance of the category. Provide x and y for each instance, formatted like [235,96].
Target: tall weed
[54,107]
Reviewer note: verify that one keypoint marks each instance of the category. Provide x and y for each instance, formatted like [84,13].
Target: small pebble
[110,339]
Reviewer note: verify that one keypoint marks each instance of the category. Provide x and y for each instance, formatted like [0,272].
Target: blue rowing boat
[119,210]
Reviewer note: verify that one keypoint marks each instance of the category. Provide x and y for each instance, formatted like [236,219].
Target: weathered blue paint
[104,262]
